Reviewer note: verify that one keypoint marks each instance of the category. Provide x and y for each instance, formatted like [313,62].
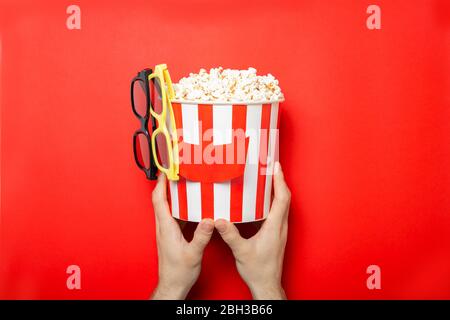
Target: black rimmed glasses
[140,103]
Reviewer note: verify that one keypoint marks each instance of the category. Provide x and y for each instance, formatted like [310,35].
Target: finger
[282,195]
[202,235]
[230,234]
[159,192]
[159,197]
[160,205]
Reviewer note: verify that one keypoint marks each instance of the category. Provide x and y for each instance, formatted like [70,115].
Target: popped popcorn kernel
[228,85]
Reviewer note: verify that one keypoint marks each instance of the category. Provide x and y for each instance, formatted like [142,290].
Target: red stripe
[178,119]
[207,191]
[262,163]
[182,196]
[237,189]
[277,154]
[205,117]
[237,185]
[169,196]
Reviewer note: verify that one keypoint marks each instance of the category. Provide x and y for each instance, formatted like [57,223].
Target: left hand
[179,261]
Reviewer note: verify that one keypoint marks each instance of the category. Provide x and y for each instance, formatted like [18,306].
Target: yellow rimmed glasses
[161,92]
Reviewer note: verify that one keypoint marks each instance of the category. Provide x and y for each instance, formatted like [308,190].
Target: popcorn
[228,85]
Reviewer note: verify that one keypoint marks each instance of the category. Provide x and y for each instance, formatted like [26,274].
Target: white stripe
[222,200]
[174,199]
[273,142]
[194,200]
[253,126]
[222,121]
[189,115]
[222,134]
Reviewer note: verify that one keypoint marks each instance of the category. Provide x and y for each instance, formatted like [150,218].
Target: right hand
[259,260]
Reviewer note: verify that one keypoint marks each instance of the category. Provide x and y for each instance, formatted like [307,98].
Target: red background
[365,142]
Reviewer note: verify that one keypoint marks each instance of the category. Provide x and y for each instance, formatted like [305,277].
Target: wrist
[268,291]
[166,291]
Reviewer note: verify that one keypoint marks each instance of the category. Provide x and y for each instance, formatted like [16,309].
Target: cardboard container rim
[234,222]
[226,102]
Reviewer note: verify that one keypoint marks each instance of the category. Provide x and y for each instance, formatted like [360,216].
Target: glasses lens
[155,95]
[142,150]
[140,98]
[163,152]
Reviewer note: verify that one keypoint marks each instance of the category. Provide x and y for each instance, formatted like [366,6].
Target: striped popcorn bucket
[226,157]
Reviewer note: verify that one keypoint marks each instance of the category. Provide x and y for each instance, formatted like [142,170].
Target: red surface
[365,136]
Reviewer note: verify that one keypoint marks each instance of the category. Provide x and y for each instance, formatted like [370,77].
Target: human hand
[259,260]
[179,261]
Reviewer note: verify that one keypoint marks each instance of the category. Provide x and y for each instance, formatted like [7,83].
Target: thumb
[282,194]
[230,234]
[159,194]
[159,200]
[202,235]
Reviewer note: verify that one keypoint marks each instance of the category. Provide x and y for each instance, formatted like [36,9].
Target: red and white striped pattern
[242,199]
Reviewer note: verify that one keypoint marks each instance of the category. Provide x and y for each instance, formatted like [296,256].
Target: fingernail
[221,226]
[277,168]
[207,225]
